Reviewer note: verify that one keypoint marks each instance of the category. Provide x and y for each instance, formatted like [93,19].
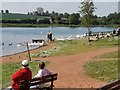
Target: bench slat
[48,76]
[37,81]
[40,82]
[117,87]
[44,79]
[110,86]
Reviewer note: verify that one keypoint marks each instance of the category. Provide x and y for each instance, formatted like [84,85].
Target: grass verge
[114,54]
[102,70]
[105,70]
[76,46]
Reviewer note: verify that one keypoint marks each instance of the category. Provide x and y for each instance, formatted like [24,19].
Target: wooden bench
[111,86]
[25,85]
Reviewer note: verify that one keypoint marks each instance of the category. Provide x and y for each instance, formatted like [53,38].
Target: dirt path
[70,68]
[71,72]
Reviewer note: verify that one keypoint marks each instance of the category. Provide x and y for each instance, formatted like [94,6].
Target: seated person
[42,72]
[22,74]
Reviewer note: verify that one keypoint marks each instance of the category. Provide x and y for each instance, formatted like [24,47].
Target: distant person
[22,74]
[114,31]
[49,36]
[90,32]
[42,72]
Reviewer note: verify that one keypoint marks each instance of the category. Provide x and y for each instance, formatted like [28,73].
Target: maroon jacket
[22,74]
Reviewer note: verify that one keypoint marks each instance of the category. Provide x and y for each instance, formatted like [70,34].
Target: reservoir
[11,37]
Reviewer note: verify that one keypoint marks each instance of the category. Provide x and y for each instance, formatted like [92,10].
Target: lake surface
[21,35]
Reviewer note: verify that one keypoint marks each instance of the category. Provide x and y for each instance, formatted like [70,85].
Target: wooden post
[88,36]
[51,88]
[28,51]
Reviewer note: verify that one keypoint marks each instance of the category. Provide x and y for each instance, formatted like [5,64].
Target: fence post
[28,51]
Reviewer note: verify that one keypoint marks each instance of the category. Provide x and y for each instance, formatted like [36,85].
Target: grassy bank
[102,70]
[105,70]
[76,46]
[109,55]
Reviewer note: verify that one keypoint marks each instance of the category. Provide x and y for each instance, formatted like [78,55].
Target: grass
[25,25]
[74,47]
[9,68]
[102,70]
[114,54]
[65,48]
[107,42]
[105,70]
[77,46]
[11,16]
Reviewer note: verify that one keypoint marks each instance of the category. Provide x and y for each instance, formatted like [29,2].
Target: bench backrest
[44,79]
[111,86]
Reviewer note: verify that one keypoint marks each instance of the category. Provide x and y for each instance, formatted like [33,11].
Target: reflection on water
[12,37]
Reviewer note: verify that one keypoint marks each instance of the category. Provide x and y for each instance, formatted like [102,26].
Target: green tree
[6,11]
[57,19]
[66,15]
[56,13]
[87,9]
[73,19]
[2,11]
[60,15]
[35,13]
[47,13]
[53,13]
[113,18]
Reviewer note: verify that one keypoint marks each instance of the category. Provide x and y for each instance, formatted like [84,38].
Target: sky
[104,7]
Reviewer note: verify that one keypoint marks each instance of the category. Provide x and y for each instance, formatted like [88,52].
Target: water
[22,35]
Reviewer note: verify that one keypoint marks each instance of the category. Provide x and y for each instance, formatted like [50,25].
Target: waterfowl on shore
[3,43]
[10,44]
[19,44]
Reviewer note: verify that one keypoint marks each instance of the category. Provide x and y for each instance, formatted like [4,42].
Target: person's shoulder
[40,70]
[25,69]
[46,69]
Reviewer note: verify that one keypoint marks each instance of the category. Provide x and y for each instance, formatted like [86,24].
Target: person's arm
[39,74]
[31,75]
[16,76]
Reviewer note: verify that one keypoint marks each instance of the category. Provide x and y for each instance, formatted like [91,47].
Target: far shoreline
[52,25]
[21,52]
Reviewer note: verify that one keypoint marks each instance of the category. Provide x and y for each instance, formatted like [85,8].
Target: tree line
[66,18]
[6,11]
